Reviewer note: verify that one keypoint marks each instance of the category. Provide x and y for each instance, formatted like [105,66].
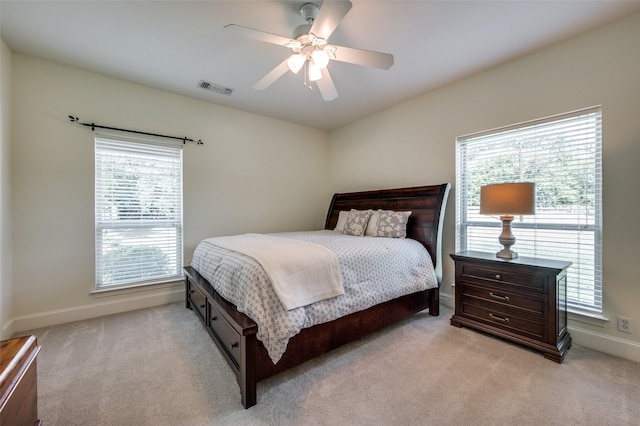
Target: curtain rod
[95,126]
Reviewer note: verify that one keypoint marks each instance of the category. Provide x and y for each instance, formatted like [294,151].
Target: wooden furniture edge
[18,380]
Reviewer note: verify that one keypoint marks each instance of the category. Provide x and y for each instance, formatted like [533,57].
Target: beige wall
[6,287]
[252,174]
[414,143]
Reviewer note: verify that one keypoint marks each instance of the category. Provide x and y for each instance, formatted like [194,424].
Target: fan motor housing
[309,11]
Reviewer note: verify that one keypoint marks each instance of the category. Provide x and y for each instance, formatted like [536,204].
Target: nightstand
[523,300]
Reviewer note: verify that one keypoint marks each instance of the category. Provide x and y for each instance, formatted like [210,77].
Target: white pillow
[342,219]
[372,225]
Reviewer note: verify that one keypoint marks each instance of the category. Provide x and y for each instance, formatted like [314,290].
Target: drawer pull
[235,345]
[497,296]
[498,277]
[202,306]
[214,319]
[497,318]
[192,291]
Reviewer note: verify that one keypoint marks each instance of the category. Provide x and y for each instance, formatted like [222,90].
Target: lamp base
[507,239]
[506,253]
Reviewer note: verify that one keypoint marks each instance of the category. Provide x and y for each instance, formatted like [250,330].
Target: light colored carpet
[159,366]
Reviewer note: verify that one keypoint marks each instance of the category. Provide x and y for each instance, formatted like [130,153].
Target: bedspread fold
[301,272]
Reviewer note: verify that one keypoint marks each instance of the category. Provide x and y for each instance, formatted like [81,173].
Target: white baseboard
[611,345]
[94,310]
[7,330]
[448,300]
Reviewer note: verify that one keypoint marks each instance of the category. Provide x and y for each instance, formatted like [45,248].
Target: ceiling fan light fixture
[296,61]
[311,49]
[314,72]
[320,58]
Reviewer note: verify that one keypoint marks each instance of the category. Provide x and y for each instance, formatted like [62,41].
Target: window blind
[138,212]
[562,155]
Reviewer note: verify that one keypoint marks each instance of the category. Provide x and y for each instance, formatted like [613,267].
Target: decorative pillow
[342,218]
[392,224]
[372,224]
[357,222]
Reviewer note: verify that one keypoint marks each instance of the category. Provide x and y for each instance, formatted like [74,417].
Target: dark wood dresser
[18,382]
[523,300]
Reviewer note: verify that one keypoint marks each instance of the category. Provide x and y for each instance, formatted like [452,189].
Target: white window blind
[562,155]
[138,212]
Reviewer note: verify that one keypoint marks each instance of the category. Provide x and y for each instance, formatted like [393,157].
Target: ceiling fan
[311,50]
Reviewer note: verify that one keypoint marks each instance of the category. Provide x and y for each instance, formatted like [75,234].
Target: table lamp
[508,200]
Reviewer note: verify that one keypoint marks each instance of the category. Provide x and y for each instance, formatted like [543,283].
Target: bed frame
[235,334]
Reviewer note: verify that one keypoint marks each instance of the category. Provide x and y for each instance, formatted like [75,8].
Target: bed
[236,334]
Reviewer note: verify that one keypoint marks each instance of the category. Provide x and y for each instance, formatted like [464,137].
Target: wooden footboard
[233,332]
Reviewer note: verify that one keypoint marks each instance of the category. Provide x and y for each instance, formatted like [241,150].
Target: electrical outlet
[624,324]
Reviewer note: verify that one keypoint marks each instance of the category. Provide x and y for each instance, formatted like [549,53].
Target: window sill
[115,291]
[588,318]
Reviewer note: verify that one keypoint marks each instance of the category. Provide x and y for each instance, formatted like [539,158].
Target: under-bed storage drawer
[227,336]
[197,300]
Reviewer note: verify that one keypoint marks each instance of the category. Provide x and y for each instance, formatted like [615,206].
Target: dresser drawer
[527,303]
[225,333]
[516,279]
[197,300]
[505,319]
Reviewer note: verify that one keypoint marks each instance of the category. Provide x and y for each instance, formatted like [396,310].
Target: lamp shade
[320,58]
[508,199]
[295,62]
[314,72]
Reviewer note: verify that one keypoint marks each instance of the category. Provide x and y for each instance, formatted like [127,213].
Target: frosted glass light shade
[314,72]
[320,58]
[296,61]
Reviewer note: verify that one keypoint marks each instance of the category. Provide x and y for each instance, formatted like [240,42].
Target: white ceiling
[172,45]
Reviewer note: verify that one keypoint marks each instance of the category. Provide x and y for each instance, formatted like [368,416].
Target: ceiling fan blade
[366,58]
[272,76]
[326,87]
[330,14]
[256,34]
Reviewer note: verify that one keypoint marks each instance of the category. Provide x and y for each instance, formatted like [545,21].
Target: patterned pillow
[357,222]
[392,224]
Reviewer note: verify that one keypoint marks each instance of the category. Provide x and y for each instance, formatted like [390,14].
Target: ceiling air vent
[215,88]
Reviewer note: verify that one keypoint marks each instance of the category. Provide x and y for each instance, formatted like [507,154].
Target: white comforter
[373,270]
[301,272]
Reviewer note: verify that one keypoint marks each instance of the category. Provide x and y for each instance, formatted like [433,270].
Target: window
[138,210]
[562,155]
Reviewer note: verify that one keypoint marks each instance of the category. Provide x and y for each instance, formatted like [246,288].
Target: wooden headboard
[427,204]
